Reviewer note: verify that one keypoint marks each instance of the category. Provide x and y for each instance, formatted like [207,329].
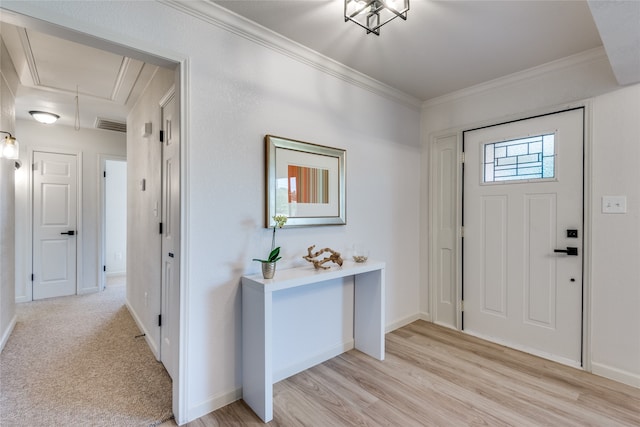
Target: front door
[54,224]
[522,238]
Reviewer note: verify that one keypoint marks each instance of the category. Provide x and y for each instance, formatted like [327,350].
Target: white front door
[171,235]
[523,202]
[54,224]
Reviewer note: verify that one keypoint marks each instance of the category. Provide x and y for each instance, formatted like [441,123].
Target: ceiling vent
[113,125]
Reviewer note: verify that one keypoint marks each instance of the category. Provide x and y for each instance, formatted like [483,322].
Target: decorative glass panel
[520,159]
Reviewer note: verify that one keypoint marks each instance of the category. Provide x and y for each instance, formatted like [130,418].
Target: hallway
[80,360]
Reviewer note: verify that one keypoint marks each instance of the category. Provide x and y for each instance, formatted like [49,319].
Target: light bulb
[391,4]
[10,148]
[361,6]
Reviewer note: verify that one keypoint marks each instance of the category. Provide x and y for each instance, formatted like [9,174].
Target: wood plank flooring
[433,376]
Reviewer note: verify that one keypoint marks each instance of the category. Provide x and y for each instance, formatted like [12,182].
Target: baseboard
[615,374]
[147,336]
[116,273]
[424,316]
[212,404]
[402,322]
[7,332]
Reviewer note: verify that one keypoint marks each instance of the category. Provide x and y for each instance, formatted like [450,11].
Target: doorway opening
[148,317]
[114,222]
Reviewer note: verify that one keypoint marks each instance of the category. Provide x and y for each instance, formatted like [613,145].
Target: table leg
[369,313]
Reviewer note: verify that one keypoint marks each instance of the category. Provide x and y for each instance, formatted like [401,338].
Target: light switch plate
[614,204]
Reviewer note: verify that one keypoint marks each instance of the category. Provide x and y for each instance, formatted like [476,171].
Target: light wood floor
[433,376]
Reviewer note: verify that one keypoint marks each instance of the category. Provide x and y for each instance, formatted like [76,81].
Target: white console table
[257,321]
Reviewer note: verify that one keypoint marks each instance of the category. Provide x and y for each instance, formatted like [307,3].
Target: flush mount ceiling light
[373,14]
[9,149]
[44,117]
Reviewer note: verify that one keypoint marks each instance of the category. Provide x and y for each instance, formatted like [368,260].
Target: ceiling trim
[28,53]
[117,86]
[236,24]
[588,56]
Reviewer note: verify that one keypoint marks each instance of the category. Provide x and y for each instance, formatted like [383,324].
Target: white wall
[612,140]
[116,217]
[89,144]
[8,85]
[615,297]
[7,250]
[238,91]
[144,160]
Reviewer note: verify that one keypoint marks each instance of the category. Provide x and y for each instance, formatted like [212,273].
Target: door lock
[70,232]
[569,251]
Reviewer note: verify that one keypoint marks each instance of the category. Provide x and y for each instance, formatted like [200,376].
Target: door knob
[70,232]
[569,251]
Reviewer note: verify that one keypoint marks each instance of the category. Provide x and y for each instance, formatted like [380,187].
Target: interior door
[54,224]
[522,244]
[171,235]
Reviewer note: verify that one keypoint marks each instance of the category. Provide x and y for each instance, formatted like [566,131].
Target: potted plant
[269,264]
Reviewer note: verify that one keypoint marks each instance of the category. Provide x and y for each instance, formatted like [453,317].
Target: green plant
[274,255]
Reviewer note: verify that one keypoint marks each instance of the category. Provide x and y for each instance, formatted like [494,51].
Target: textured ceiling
[443,46]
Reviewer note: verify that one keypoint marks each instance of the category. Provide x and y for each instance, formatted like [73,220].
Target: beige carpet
[76,361]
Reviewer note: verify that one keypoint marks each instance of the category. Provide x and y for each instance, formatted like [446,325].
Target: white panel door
[445,231]
[169,331]
[523,201]
[54,224]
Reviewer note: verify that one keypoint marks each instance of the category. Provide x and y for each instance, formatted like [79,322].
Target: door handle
[569,251]
[70,232]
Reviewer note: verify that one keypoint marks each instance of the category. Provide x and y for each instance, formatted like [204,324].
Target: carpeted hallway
[76,361]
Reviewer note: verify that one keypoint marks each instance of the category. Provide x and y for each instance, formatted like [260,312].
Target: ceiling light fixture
[9,149]
[373,14]
[44,117]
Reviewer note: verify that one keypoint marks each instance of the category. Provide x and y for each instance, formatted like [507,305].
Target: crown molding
[588,56]
[240,26]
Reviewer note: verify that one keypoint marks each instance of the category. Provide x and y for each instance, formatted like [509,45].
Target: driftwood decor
[317,263]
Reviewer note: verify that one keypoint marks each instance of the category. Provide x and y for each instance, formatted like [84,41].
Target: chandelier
[373,14]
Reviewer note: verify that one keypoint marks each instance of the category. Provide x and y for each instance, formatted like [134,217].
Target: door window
[530,158]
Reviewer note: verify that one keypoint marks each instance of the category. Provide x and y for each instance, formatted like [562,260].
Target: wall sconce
[44,117]
[9,149]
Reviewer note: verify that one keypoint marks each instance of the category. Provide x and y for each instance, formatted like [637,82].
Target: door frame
[101,280]
[30,209]
[434,213]
[158,55]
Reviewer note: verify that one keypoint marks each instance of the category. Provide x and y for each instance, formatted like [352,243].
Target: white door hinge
[461,231]
[461,305]
[462,157]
